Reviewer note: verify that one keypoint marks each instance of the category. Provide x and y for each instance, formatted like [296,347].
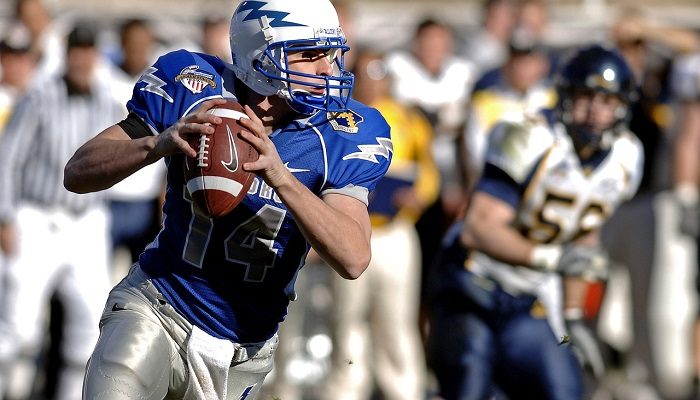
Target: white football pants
[62,252]
[375,322]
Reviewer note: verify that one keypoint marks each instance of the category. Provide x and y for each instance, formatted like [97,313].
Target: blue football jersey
[234,276]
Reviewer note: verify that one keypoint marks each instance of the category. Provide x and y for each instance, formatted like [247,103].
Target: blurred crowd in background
[447,84]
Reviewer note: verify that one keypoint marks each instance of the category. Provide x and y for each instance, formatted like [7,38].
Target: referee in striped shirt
[55,240]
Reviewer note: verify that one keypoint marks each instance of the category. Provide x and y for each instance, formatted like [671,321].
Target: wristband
[545,257]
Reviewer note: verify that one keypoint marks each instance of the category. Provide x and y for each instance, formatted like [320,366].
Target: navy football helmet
[594,69]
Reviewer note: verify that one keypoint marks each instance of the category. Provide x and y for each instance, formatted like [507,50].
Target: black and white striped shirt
[47,127]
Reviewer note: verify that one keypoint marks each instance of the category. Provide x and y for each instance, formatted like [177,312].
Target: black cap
[82,35]
[16,40]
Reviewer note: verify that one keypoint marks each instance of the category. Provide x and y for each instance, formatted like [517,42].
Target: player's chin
[313,88]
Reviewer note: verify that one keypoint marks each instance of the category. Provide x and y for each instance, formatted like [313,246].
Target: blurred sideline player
[432,77]
[55,241]
[17,65]
[519,87]
[687,171]
[642,237]
[533,219]
[197,315]
[487,47]
[375,318]
[47,36]
[215,37]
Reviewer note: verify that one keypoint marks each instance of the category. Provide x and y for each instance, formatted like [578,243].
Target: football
[215,178]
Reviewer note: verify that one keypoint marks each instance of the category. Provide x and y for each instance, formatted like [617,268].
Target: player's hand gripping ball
[215,178]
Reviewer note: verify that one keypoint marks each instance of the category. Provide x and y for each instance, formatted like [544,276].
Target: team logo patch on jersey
[346,121]
[195,81]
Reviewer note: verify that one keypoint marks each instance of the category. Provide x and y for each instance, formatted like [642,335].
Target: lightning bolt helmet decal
[276,18]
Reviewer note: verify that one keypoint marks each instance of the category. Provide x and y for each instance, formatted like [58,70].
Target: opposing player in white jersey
[197,315]
[547,188]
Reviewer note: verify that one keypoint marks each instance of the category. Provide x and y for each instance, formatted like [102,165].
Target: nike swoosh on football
[293,170]
[231,165]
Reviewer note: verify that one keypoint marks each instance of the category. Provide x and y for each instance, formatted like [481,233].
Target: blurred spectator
[375,318]
[432,78]
[215,37]
[136,52]
[47,36]
[488,47]
[135,202]
[533,17]
[17,64]
[686,85]
[520,87]
[137,47]
[640,237]
[54,240]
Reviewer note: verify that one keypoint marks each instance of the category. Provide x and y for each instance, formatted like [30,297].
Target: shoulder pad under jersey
[174,85]
[358,144]
[516,147]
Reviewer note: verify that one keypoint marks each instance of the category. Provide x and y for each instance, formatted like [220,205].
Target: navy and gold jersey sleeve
[514,151]
[359,149]
[173,86]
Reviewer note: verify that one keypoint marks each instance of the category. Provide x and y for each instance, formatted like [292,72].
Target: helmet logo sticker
[275,18]
[195,81]
[346,121]
[604,82]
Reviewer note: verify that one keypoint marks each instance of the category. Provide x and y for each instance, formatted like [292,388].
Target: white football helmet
[264,32]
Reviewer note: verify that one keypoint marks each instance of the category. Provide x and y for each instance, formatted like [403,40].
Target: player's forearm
[103,161]
[500,242]
[338,238]
[488,228]
[495,238]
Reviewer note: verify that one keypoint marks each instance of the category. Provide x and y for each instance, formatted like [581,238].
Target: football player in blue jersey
[500,315]
[197,315]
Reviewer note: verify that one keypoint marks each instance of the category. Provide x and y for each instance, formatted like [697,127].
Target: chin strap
[305,103]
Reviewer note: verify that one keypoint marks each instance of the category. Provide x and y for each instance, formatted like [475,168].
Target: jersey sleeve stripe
[358,192]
